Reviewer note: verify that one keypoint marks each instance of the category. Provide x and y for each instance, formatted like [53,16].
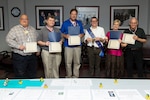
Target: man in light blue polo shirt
[72,52]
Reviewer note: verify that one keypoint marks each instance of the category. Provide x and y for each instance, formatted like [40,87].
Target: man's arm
[11,40]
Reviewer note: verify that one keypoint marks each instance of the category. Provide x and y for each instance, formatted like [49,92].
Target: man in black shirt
[133,52]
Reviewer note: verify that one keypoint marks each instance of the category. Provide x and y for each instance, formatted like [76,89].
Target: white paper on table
[29,94]
[55,47]
[8,94]
[113,44]
[147,91]
[128,38]
[128,94]
[58,82]
[30,47]
[81,82]
[74,40]
[52,95]
[78,94]
[104,94]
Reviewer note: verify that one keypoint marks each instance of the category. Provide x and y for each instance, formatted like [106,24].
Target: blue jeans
[24,66]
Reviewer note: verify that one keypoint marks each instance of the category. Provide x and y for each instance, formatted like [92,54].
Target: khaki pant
[51,63]
[72,55]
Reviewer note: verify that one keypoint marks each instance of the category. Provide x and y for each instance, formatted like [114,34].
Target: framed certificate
[128,38]
[55,47]
[30,47]
[74,40]
[113,44]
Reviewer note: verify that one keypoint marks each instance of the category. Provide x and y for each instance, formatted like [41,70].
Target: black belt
[134,49]
[94,47]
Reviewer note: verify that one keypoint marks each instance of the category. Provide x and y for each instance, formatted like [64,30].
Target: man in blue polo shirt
[72,52]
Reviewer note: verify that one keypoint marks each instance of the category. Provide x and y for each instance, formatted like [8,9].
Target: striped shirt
[18,35]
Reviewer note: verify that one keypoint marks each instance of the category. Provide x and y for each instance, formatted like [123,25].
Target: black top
[141,34]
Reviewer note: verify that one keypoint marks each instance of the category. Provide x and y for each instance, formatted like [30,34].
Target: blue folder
[115,34]
[74,30]
[54,36]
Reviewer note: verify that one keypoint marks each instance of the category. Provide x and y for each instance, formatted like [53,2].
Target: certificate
[128,38]
[55,47]
[30,47]
[74,40]
[113,44]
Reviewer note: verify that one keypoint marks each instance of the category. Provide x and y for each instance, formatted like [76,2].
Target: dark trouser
[94,61]
[132,57]
[114,66]
[24,66]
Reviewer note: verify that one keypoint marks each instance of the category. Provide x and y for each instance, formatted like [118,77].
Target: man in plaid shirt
[24,63]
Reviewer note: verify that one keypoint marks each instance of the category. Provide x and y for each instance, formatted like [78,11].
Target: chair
[146,56]
[6,62]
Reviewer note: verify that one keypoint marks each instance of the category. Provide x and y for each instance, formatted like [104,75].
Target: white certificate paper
[113,44]
[128,38]
[28,94]
[52,95]
[74,40]
[129,94]
[78,94]
[30,47]
[55,47]
[104,94]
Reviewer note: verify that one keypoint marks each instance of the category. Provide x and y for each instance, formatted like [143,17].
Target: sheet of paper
[58,82]
[113,44]
[74,40]
[30,47]
[103,94]
[81,82]
[128,38]
[147,92]
[29,94]
[78,94]
[129,94]
[52,95]
[55,47]
[8,94]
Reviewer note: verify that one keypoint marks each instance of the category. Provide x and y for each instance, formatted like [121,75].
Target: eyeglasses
[23,19]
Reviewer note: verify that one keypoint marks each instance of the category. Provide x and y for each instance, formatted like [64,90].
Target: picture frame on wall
[123,13]
[42,12]
[1,18]
[85,13]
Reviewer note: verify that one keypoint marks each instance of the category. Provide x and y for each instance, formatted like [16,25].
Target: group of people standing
[25,63]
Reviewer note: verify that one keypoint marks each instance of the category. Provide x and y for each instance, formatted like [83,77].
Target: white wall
[28,7]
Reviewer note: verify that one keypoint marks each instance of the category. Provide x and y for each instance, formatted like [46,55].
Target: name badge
[26,32]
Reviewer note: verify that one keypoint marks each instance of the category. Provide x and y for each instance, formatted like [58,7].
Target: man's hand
[135,37]
[22,47]
[89,39]
[47,43]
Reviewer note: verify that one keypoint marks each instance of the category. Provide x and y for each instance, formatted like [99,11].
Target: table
[76,89]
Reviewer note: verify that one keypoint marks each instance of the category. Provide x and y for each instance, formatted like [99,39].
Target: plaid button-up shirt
[18,35]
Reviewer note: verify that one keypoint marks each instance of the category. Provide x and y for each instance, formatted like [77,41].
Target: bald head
[133,23]
[24,20]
